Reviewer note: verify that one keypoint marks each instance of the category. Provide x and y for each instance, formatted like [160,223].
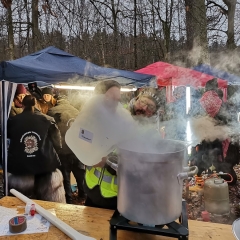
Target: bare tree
[112,6]
[189,23]
[8,5]
[231,4]
[196,26]
[35,26]
[230,13]
[122,34]
[135,34]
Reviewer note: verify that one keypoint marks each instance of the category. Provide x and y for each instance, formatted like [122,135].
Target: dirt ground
[195,202]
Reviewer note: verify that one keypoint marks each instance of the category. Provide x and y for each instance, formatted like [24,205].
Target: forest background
[127,34]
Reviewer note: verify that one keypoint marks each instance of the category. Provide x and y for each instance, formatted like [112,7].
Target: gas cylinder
[216,196]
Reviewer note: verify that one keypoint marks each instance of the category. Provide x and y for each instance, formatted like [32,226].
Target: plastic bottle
[98,129]
[32,210]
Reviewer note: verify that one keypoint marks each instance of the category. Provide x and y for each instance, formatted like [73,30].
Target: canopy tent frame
[42,66]
[6,96]
[170,76]
[231,78]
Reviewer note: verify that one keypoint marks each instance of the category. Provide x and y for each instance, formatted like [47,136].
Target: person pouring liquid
[100,182]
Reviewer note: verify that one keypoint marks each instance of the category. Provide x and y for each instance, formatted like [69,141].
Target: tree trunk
[35,29]
[166,26]
[231,4]
[189,23]
[10,44]
[27,39]
[197,32]
[115,32]
[167,29]
[10,33]
[135,35]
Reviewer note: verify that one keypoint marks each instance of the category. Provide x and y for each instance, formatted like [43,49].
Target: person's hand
[102,163]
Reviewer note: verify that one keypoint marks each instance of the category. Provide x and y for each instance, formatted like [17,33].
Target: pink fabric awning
[168,74]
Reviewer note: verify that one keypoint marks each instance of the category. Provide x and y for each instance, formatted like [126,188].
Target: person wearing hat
[211,103]
[221,154]
[100,182]
[17,101]
[47,101]
[33,162]
[146,103]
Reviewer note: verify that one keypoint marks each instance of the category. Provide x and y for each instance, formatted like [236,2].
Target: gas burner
[173,229]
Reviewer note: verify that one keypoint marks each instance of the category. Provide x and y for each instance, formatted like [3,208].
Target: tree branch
[224,11]
[217,29]
[108,24]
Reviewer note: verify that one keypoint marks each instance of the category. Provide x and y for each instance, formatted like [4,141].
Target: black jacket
[34,140]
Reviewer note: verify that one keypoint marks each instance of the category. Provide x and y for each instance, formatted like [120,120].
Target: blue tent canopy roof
[52,65]
[232,79]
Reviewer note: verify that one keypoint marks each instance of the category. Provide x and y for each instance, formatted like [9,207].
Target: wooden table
[94,222]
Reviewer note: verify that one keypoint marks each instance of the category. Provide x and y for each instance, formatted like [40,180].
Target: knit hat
[20,89]
[151,93]
[47,91]
[103,86]
[211,103]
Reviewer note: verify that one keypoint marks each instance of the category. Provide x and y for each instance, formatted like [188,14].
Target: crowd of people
[40,162]
[221,154]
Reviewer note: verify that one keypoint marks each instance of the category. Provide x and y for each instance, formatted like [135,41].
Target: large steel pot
[150,181]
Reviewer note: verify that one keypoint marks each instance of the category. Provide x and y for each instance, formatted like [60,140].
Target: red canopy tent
[171,76]
[168,74]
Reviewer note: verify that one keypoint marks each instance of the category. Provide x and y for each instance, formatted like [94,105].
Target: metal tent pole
[4,134]
[7,92]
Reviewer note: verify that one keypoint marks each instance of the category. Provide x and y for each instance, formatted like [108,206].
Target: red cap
[20,89]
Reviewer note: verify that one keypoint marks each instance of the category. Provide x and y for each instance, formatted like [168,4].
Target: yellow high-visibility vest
[101,177]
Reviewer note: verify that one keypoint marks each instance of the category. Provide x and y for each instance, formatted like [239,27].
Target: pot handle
[112,165]
[188,172]
[193,170]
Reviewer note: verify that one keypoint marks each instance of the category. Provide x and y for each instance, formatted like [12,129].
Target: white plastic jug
[97,130]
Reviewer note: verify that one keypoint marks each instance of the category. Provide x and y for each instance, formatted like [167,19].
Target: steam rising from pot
[148,140]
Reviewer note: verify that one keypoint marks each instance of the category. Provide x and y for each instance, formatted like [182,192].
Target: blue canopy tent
[51,66]
[232,79]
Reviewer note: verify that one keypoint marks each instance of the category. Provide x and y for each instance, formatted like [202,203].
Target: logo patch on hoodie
[31,144]
[30,140]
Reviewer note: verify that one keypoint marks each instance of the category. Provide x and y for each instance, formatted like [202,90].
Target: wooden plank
[94,222]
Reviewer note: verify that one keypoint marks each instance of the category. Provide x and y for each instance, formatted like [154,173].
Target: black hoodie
[34,140]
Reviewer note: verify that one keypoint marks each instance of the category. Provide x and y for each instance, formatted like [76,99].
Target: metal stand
[174,230]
